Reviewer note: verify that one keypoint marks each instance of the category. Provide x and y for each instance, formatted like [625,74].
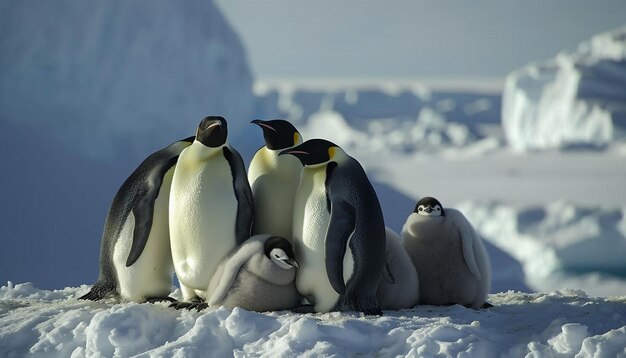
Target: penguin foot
[367,306]
[198,306]
[160,299]
[304,309]
[486,305]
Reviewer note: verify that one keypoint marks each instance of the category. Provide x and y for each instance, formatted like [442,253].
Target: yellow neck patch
[331,152]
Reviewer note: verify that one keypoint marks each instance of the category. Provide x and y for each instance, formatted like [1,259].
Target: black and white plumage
[258,276]
[211,207]
[339,230]
[274,179]
[451,261]
[135,256]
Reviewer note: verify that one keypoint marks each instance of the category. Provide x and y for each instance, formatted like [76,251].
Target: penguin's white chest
[311,219]
[203,212]
[274,181]
[151,274]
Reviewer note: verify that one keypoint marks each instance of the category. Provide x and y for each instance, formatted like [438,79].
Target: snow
[562,323]
[553,221]
[572,100]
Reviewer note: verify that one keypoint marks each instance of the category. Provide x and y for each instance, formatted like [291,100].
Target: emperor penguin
[274,179]
[135,257]
[451,261]
[258,276]
[399,287]
[211,207]
[338,230]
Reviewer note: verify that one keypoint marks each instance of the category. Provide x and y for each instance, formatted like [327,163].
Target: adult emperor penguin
[399,286]
[135,256]
[451,261]
[211,207]
[339,231]
[274,179]
[259,276]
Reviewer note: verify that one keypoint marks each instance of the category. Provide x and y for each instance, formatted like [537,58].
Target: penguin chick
[274,179]
[449,256]
[399,286]
[258,276]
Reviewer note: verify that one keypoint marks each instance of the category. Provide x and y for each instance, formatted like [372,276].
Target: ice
[561,323]
[116,78]
[575,99]
[559,244]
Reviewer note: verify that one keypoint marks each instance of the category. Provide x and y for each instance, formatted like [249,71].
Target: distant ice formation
[559,243]
[575,99]
[117,78]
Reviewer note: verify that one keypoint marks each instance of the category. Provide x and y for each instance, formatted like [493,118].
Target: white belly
[203,211]
[151,274]
[274,182]
[311,219]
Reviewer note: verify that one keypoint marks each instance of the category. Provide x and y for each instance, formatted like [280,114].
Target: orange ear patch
[331,152]
[296,138]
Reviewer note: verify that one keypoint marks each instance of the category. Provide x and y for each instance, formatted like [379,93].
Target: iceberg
[114,78]
[574,100]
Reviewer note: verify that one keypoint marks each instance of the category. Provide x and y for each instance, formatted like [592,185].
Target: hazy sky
[412,38]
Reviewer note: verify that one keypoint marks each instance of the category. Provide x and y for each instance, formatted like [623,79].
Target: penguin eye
[420,209]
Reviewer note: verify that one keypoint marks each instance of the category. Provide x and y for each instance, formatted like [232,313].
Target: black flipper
[243,193]
[143,209]
[340,228]
[127,197]
[348,183]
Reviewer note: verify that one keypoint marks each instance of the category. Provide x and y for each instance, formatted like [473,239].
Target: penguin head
[279,250]
[279,134]
[315,152]
[429,206]
[212,131]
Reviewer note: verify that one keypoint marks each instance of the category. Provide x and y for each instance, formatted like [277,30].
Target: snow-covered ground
[554,221]
[564,323]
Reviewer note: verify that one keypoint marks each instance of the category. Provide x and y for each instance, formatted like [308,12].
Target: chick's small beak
[293,263]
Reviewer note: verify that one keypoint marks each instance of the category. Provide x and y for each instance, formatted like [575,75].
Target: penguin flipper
[340,229]
[143,209]
[468,239]
[234,264]
[243,193]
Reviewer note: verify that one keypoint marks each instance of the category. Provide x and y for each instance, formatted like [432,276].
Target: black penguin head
[429,206]
[212,131]
[313,151]
[279,134]
[279,250]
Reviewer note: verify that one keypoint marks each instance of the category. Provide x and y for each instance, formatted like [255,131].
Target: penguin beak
[293,263]
[262,124]
[293,152]
[428,209]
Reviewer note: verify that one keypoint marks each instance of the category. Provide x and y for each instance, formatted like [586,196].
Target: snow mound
[43,324]
[559,245]
[114,78]
[429,132]
[575,99]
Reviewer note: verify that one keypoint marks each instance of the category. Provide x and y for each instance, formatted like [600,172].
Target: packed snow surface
[572,100]
[42,323]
